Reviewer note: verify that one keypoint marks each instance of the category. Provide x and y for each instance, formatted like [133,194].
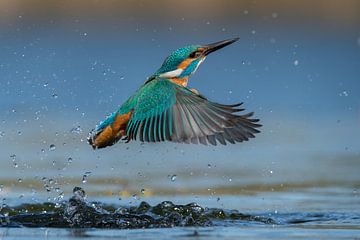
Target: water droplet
[230,180]
[142,191]
[46,84]
[344,94]
[70,160]
[173,178]
[271,172]
[55,96]
[20,180]
[52,147]
[1,187]
[84,179]
[209,165]
[76,130]
[13,157]
[296,62]
[61,196]
[218,199]
[85,176]
[134,196]
[15,165]
[79,193]
[2,133]
[47,187]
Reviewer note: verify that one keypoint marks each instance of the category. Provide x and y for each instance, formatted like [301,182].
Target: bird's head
[184,61]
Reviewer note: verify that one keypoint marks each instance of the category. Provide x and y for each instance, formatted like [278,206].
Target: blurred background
[65,65]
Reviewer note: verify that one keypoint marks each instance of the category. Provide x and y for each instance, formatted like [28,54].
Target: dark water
[79,213]
[80,217]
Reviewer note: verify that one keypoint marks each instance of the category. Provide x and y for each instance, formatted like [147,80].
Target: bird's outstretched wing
[167,111]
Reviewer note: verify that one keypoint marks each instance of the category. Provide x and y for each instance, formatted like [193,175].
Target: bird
[165,109]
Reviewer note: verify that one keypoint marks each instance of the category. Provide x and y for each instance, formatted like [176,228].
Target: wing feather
[169,112]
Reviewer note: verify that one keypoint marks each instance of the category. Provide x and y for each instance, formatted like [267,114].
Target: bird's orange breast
[113,132]
[121,121]
[180,81]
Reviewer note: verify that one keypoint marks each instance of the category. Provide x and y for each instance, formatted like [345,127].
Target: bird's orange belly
[180,81]
[113,132]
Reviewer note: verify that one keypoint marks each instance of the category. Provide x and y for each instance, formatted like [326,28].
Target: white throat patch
[197,66]
[172,74]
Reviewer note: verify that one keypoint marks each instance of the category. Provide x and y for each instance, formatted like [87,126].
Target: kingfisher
[165,109]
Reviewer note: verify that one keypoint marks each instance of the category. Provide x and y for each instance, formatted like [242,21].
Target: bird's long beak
[209,48]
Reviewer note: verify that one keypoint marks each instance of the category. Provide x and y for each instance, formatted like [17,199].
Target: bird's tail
[109,131]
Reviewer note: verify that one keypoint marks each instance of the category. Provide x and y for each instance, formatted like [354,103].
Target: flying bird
[165,109]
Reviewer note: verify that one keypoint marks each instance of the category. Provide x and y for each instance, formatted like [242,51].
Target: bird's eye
[195,54]
[192,55]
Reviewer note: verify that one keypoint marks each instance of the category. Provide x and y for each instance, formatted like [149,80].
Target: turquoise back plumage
[153,100]
[151,95]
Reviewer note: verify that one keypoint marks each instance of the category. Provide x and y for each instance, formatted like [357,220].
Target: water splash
[52,147]
[76,130]
[77,212]
[173,177]
[85,177]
